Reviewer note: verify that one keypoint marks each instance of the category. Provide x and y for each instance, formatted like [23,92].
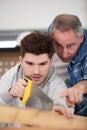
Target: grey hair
[65,22]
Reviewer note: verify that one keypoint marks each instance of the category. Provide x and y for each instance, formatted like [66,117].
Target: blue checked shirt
[77,70]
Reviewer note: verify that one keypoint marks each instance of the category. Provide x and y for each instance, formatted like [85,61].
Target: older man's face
[66,44]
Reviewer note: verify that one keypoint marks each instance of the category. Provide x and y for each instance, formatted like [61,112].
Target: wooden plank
[31,128]
[25,128]
[41,119]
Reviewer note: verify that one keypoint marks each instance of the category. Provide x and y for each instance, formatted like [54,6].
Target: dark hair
[65,22]
[37,43]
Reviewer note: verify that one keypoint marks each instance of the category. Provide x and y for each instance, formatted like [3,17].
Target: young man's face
[36,66]
[67,44]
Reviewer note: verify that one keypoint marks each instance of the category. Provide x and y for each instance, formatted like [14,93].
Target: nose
[36,69]
[64,53]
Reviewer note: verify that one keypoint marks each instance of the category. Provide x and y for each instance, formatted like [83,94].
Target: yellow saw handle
[28,90]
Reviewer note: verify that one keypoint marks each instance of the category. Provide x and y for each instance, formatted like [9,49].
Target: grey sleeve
[5,85]
[56,87]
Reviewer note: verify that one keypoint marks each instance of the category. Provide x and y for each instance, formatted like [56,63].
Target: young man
[71,47]
[36,62]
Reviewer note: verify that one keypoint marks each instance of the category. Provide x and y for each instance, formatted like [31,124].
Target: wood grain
[40,119]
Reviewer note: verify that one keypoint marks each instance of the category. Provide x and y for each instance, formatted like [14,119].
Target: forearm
[82,85]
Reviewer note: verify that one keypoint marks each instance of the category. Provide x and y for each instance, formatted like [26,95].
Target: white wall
[33,14]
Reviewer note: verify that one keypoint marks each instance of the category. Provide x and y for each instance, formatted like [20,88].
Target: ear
[82,38]
[51,60]
[20,59]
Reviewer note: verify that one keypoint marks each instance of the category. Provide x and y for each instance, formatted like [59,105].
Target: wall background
[38,14]
[16,16]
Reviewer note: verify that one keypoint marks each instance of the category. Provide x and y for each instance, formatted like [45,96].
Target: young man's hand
[63,111]
[18,89]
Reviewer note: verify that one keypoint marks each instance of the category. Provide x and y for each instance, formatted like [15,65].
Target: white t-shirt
[61,68]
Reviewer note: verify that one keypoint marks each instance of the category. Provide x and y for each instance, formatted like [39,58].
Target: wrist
[82,85]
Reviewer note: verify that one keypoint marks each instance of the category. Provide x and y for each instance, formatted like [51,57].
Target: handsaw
[35,97]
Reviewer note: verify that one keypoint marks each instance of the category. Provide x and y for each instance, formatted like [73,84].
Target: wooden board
[41,119]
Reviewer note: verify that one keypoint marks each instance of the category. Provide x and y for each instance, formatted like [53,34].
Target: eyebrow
[44,62]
